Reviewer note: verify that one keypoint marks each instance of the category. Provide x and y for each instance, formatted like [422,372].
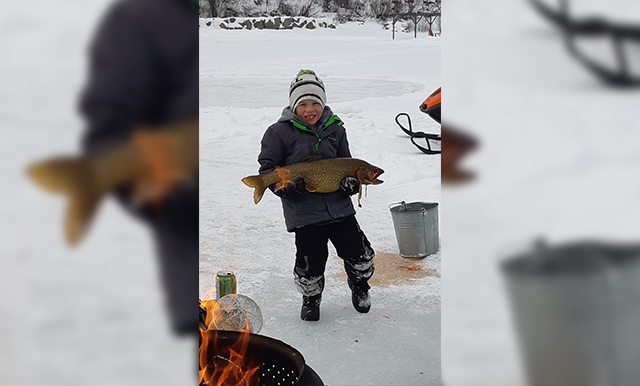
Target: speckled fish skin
[323,176]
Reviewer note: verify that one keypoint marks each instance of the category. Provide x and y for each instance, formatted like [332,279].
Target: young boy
[307,128]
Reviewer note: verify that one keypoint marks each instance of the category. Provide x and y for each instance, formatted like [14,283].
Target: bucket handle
[404,207]
[404,204]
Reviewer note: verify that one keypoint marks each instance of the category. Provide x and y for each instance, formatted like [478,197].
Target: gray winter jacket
[289,141]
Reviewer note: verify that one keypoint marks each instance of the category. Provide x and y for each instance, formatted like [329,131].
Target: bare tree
[205,9]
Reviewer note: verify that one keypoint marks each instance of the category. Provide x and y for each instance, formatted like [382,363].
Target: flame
[221,366]
[284,178]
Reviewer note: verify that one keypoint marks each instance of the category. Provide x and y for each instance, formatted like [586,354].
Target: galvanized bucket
[576,309]
[416,227]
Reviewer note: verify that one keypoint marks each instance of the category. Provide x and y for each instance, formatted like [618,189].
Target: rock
[277,21]
[247,24]
[311,26]
[232,20]
[287,22]
[208,23]
[259,24]
[270,25]
[223,26]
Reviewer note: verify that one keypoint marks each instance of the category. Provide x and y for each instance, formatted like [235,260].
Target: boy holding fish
[308,129]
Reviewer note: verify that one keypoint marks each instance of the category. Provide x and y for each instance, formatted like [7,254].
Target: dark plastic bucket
[416,227]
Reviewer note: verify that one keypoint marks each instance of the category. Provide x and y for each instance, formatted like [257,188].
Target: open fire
[222,364]
[233,354]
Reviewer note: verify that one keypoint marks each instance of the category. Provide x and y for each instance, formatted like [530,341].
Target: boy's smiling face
[309,110]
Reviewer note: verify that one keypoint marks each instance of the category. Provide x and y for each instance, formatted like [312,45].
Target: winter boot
[311,308]
[360,298]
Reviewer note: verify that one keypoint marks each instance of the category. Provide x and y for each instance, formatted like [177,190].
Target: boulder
[311,26]
[223,26]
[270,25]
[259,24]
[287,22]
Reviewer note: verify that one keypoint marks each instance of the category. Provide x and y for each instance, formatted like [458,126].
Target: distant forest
[344,10]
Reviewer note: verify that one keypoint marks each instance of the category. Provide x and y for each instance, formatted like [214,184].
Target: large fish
[322,176]
[153,161]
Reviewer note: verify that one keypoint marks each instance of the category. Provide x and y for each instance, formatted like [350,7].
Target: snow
[94,314]
[557,158]
[369,78]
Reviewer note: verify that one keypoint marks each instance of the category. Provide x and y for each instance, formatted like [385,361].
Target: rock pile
[277,22]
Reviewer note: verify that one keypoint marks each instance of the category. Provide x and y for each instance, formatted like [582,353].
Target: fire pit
[241,358]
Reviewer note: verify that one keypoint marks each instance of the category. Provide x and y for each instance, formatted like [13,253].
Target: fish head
[368,175]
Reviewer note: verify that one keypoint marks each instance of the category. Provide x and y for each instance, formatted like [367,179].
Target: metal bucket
[576,309]
[416,226]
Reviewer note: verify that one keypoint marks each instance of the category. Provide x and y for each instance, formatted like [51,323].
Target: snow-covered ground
[94,315]
[559,158]
[369,78]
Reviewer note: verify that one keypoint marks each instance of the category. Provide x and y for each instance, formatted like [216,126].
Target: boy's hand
[350,185]
[297,187]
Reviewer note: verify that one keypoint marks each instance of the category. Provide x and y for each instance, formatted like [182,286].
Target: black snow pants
[312,252]
[178,257]
[175,231]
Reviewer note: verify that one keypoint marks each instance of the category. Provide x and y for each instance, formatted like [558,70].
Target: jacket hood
[289,115]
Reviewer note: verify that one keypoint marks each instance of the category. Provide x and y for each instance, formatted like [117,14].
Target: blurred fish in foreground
[153,161]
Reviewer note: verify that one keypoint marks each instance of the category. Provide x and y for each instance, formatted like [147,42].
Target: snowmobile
[431,107]
[458,142]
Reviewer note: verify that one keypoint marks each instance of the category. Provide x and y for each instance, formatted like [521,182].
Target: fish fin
[311,187]
[80,211]
[257,183]
[70,176]
[311,158]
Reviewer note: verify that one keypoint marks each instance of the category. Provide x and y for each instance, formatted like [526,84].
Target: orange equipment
[431,105]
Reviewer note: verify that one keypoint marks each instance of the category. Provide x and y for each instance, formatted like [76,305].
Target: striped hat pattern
[306,85]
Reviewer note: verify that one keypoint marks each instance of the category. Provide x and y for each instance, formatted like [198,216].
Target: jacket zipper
[327,124]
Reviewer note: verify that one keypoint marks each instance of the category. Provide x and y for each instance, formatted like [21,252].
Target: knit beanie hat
[306,85]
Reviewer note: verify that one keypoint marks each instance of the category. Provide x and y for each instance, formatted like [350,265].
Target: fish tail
[72,177]
[257,183]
